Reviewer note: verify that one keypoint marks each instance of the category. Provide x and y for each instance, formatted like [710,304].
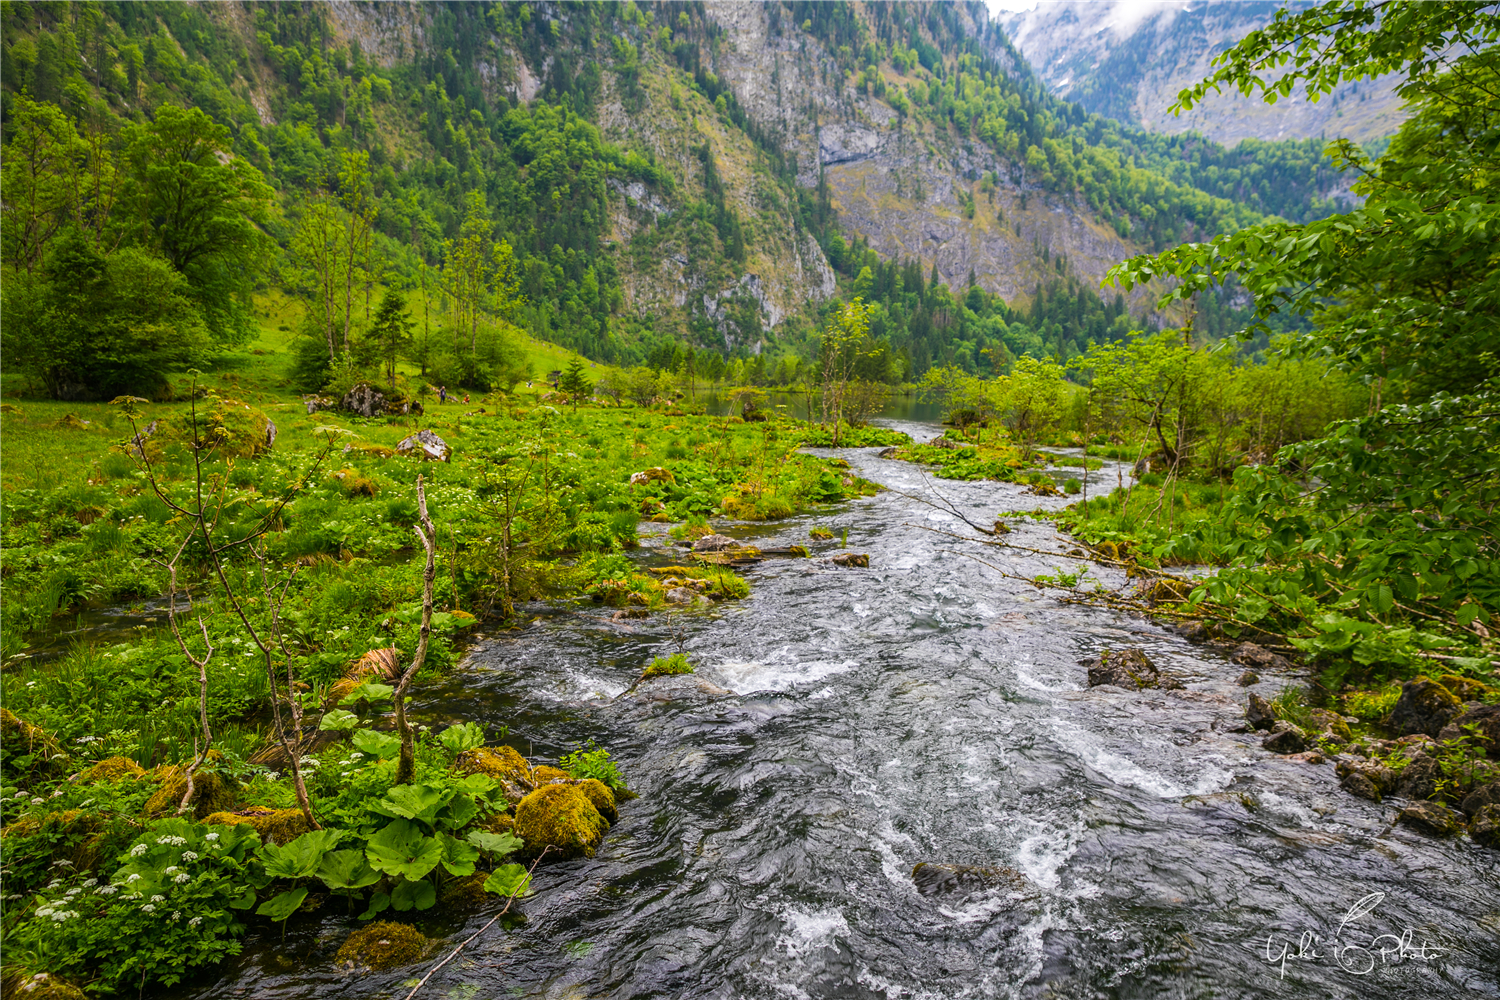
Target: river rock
[1425,706]
[1484,795]
[425,444]
[1418,780]
[851,559]
[560,817]
[682,595]
[715,543]
[1248,678]
[1329,723]
[1259,713]
[365,400]
[1251,655]
[962,880]
[1129,668]
[1432,817]
[1289,740]
[1359,783]
[889,452]
[675,687]
[1485,826]
[1486,718]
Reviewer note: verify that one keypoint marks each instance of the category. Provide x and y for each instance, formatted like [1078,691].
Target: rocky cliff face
[1128,60]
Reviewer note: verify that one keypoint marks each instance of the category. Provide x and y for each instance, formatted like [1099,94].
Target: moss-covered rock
[503,764]
[603,799]
[212,792]
[1425,706]
[276,826]
[548,775]
[231,427]
[21,983]
[111,769]
[1464,688]
[560,817]
[383,945]
[465,892]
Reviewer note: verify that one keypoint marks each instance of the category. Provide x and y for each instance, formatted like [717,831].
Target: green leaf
[407,895]
[300,857]
[418,802]
[382,745]
[464,737]
[283,905]
[508,880]
[498,844]
[371,690]
[243,901]
[379,903]
[339,721]
[459,813]
[347,870]
[458,856]
[402,849]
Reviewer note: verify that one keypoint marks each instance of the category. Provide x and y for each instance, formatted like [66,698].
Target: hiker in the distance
[442,394]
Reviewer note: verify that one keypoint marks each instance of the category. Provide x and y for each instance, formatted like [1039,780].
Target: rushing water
[928,709]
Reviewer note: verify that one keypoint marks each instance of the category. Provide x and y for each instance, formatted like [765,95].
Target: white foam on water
[810,930]
[1042,855]
[1125,772]
[742,677]
[940,515]
[1026,676]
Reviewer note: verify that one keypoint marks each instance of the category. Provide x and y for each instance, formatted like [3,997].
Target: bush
[665,666]
[591,761]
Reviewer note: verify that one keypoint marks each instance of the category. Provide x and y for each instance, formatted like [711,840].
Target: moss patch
[560,817]
[111,769]
[545,775]
[276,826]
[212,792]
[383,945]
[603,799]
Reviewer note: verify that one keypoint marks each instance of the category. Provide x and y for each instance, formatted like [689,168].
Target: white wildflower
[45,911]
[89,883]
[158,899]
[138,850]
[180,879]
[19,795]
[147,908]
[210,837]
[189,856]
[107,890]
[170,870]
[57,793]
[53,884]
[133,877]
[36,800]
[176,915]
[195,921]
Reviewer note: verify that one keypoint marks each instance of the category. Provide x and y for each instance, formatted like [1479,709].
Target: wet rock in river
[683,595]
[1259,713]
[1251,655]
[1418,780]
[962,880]
[603,799]
[383,945]
[1432,817]
[1248,678]
[1359,783]
[715,543]
[1286,739]
[675,687]
[1129,668]
[1329,724]
[503,764]
[1484,795]
[1485,826]
[851,559]
[1425,706]
[1487,734]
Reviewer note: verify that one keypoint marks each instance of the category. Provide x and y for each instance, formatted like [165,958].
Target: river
[928,709]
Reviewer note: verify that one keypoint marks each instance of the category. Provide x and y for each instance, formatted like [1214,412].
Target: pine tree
[574,382]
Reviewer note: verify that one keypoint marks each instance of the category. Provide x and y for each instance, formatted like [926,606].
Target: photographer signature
[1355,959]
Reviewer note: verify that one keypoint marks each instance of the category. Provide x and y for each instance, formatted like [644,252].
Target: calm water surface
[928,709]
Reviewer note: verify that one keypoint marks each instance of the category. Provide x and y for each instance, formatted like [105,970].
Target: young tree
[574,382]
[1029,400]
[843,337]
[391,331]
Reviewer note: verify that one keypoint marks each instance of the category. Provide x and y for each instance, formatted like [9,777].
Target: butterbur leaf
[347,870]
[508,880]
[498,844]
[458,856]
[418,802]
[282,905]
[370,690]
[464,737]
[402,849]
[244,901]
[459,813]
[379,903]
[382,745]
[413,895]
[339,720]
[300,857]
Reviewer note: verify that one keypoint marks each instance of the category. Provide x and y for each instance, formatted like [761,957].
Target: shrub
[665,666]
[591,761]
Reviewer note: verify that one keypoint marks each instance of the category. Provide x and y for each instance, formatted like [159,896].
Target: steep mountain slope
[1128,59]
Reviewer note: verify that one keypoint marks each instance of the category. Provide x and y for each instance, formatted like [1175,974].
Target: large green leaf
[498,844]
[458,856]
[408,895]
[402,849]
[379,903]
[339,720]
[464,737]
[382,745]
[418,802]
[370,690]
[300,857]
[283,905]
[347,870]
[461,811]
[508,880]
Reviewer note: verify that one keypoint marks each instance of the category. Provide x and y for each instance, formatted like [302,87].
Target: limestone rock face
[425,445]
[1425,706]
[365,400]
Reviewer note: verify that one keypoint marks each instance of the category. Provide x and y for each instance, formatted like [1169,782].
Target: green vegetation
[667,666]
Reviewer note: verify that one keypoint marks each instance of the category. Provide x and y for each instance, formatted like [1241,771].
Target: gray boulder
[365,400]
[1432,818]
[1129,668]
[1425,706]
[425,445]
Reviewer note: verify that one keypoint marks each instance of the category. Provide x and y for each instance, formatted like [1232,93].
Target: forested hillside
[615,178]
